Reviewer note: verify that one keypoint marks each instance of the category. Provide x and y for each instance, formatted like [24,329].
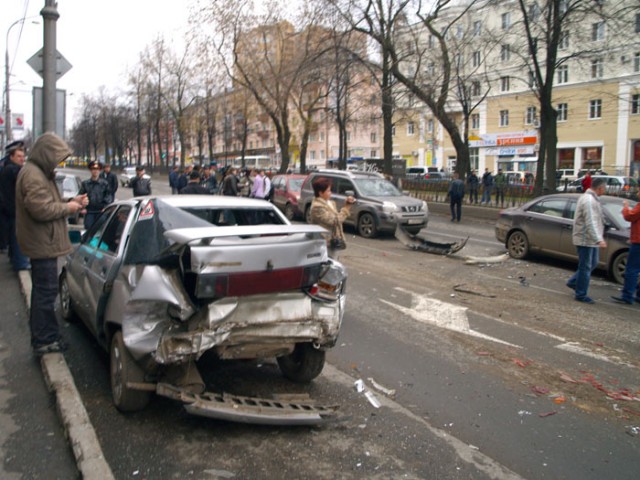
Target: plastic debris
[387,391]
[521,363]
[547,414]
[362,388]
[359,384]
[559,399]
[633,431]
[540,390]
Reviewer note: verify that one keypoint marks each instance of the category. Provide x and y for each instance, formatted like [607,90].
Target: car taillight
[252,283]
[331,283]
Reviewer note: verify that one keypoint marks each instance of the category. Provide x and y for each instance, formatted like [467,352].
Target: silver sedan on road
[159,281]
[544,226]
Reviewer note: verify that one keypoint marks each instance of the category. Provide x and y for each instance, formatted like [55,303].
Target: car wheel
[66,304]
[618,266]
[303,364]
[518,244]
[125,370]
[289,212]
[367,226]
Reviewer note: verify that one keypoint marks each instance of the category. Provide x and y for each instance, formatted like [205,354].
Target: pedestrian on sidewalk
[631,289]
[140,185]
[487,186]
[473,182]
[8,179]
[41,228]
[456,195]
[588,237]
[4,221]
[500,183]
[112,179]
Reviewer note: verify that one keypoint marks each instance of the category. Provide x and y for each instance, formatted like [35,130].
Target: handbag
[337,241]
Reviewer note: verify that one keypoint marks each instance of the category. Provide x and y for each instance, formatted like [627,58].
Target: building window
[635,104]
[393,131]
[474,158]
[374,137]
[475,120]
[531,116]
[563,112]
[459,32]
[431,68]
[563,44]
[476,59]
[312,155]
[506,21]
[504,118]
[431,41]
[475,89]
[348,136]
[637,22]
[597,68]
[477,27]
[411,128]
[505,53]
[595,109]
[374,154]
[597,31]
[322,136]
[430,125]
[563,74]
[504,84]
[636,62]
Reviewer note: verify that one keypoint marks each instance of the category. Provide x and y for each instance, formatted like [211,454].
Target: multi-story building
[596,92]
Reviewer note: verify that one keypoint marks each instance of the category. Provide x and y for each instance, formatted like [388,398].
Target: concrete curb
[84,441]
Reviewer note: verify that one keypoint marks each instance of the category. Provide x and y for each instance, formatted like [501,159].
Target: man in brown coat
[41,229]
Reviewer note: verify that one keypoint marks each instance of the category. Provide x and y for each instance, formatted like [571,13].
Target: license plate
[414,221]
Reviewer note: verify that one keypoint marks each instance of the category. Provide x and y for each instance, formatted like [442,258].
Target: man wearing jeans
[41,229]
[631,288]
[588,231]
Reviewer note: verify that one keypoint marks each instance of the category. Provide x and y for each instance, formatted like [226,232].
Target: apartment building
[596,92]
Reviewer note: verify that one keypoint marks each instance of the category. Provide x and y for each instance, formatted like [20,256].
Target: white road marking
[441,314]
[574,347]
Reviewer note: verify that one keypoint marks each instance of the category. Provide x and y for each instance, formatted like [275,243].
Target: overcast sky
[101,40]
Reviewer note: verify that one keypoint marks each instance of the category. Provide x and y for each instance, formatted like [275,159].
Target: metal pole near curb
[50,16]
[75,420]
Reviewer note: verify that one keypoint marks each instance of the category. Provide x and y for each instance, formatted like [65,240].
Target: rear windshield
[377,187]
[147,243]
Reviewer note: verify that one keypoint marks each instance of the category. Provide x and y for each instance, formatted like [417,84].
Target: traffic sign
[62,64]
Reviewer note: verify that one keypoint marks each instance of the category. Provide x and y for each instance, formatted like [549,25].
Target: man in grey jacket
[41,229]
[588,237]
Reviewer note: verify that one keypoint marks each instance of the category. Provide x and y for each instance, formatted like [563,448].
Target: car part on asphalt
[416,242]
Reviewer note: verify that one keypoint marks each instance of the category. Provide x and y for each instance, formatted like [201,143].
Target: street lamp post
[7,75]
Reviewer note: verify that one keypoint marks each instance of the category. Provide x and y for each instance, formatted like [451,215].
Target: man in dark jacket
[473,182]
[98,193]
[111,179]
[8,179]
[174,175]
[41,229]
[194,187]
[4,225]
[456,195]
[141,185]
[230,183]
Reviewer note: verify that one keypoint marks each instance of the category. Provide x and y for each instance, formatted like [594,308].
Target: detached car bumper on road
[160,281]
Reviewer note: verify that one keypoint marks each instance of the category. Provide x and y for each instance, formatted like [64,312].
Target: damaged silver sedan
[160,281]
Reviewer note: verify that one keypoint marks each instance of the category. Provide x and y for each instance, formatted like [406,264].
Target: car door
[279,194]
[340,189]
[566,238]
[544,222]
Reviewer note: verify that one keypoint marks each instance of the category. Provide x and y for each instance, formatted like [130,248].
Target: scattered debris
[566,378]
[387,391]
[473,290]
[540,390]
[633,431]
[560,399]
[484,354]
[416,242]
[521,363]
[523,281]
[486,260]
[362,388]
[473,447]
[547,414]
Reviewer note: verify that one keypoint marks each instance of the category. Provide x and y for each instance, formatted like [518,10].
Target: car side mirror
[350,193]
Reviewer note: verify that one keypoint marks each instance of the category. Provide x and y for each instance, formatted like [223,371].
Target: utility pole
[50,15]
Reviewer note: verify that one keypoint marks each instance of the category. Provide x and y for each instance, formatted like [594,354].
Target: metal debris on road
[416,242]
[362,388]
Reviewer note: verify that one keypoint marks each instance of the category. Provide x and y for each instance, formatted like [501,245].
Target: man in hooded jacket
[41,229]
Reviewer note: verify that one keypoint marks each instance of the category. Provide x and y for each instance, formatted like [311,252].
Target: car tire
[303,364]
[618,266]
[289,212]
[66,303]
[367,226]
[518,245]
[125,370]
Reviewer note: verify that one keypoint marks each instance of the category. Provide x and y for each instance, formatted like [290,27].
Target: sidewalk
[16,358]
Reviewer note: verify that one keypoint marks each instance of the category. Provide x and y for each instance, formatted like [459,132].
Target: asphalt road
[497,373]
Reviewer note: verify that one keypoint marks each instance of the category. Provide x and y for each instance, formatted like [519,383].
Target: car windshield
[295,184]
[147,243]
[377,187]
[614,210]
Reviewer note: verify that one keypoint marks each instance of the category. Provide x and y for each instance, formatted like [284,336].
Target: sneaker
[621,300]
[588,300]
[571,286]
[53,347]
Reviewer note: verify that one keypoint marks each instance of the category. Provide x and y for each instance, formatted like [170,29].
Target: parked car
[420,172]
[380,206]
[544,226]
[127,175]
[617,185]
[286,193]
[161,280]
[69,185]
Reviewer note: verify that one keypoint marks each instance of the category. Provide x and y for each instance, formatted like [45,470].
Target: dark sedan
[544,226]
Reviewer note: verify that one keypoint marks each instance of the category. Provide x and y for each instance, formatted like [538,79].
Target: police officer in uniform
[98,192]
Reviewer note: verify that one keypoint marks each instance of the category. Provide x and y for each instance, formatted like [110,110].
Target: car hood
[399,200]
